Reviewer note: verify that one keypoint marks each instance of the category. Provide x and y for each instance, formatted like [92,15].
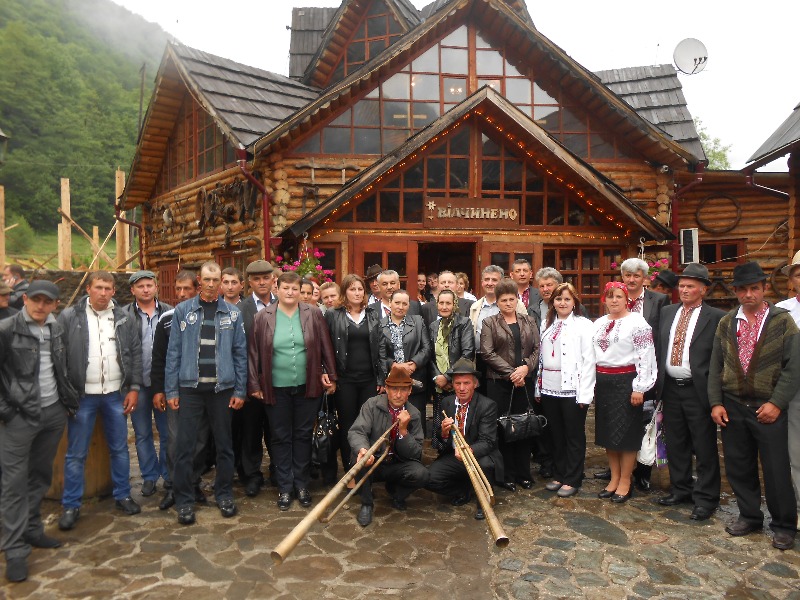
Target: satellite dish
[690,56]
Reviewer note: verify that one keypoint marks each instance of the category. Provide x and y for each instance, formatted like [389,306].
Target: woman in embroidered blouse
[510,348]
[626,369]
[566,385]
[453,337]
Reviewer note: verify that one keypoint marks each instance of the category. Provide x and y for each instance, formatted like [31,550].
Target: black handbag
[521,426]
[326,430]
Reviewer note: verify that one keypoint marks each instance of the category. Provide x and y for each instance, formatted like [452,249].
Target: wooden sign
[470,213]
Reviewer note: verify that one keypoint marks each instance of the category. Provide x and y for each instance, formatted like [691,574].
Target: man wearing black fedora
[684,352]
[476,417]
[751,380]
[371,279]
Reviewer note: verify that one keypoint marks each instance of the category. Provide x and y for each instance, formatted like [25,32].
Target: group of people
[224,376]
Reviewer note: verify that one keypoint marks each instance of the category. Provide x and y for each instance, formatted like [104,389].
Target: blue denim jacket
[183,352]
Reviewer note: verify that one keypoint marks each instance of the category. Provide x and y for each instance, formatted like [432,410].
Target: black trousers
[405,475]
[249,426]
[744,440]
[291,423]
[688,425]
[448,475]
[516,455]
[349,398]
[566,422]
[419,400]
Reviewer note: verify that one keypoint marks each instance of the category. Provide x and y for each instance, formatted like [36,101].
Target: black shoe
[227,508]
[546,472]
[511,487]
[460,500]
[253,487]
[606,494]
[167,485]
[641,483]
[553,486]
[284,501]
[199,495]
[304,497]
[783,540]
[620,499]
[186,515]
[148,488]
[526,484]
[167,501]
[673,500]
[479,516]
[399,504]
[128,506]
[701,513]
[742,527]
[43,541]
[17,569]
[69,518]
[364,517]
[604,475]
[567,491]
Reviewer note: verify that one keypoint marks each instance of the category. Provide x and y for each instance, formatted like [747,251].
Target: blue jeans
[79,435]
[151,465]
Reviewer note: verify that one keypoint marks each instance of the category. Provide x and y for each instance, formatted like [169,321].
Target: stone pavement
[580,547]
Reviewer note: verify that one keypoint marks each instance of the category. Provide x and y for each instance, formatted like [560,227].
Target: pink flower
[319,267]
[614,265]
[296,263]
[279,258]
[318,254]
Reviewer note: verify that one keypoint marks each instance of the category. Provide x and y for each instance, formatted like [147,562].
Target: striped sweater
[773,374]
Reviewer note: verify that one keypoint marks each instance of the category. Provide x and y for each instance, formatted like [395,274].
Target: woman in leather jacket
[510,349]
[353,326]
[452,337]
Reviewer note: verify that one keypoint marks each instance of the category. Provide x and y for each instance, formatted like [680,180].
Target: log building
[456,137]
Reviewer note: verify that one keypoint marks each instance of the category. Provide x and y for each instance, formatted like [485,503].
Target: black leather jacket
[129,348]
[338,325]
[19,370]
[416,347]
[460,344]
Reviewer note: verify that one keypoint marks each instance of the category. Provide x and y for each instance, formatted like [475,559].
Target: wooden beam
[2,227]
[64,229]
[123,230]
[95,244]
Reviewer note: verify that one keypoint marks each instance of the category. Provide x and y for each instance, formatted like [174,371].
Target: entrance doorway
[447,256]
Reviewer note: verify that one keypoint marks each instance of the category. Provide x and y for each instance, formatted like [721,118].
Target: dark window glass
[425,113]
[376,26]
[568,260]
[395,114]
[490,147]
[412,207]
[490,179]
[394,26]
[708,253]
[549,258]
[459,143]
[572,122]
[455,89]
[437,173]
[392,138]
[365,212]
[367,141]
[371,258]
[336,140]
[390,207]
[728,252]
[534,213]
[513,176]
[555,209]
[367,112]
[347,218]
[600,147]
[344,118]
[576,143]
[413,178]
[376,47]
[576,216]
[533,181]
[356,52]
[396,261]
[590,260]
[459,173]
[591,284]
[501,259]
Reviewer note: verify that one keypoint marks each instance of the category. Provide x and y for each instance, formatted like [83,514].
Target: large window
[587,269]
[437,80]
[722,253]
[196,147]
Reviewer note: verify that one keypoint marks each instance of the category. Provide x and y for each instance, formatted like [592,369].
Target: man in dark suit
[521,273]
[686,340]
[447,281]
[250,424]
[389,282]
[476,417]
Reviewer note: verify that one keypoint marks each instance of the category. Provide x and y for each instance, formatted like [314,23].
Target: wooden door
[395,253]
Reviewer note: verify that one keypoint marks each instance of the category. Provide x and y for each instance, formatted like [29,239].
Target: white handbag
[647,453]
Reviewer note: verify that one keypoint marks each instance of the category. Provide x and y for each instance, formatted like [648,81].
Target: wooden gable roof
[501,23]
[517,5]
[784,139]
[244,101]
[340,29]
[520,131]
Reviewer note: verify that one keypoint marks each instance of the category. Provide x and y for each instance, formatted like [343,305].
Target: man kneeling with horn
[401,469]
[476,419]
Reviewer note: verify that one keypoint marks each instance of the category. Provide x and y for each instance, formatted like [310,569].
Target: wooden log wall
[172,222]
[794,204]
[650,189]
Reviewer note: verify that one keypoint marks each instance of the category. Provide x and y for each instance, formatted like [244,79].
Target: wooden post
[65,229]
[123,230]
[2,227]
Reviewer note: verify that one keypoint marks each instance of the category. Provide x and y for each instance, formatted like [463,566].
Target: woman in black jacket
[353,326]
[452,337]
[403,340]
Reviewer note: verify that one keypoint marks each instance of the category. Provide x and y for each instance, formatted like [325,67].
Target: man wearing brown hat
[792,271]
[475,415]
[402,469]
[751,380]
[371,279]
[684,351]
[5,295]
[250,424]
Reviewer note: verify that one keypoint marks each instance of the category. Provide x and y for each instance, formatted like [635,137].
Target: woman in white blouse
[566,385]
[626,369]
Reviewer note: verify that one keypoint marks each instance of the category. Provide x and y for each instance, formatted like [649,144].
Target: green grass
[45,248]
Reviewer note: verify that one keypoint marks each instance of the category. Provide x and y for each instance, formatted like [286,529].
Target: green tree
[716,152]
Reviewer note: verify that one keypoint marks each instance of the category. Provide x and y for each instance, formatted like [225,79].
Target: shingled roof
[656,94]
[517,5]
[780,142]
[308,27]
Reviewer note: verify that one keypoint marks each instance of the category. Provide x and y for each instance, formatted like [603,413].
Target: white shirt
[793,306]
[259,303]
[103,374]
[630,342]
[683,371]
[469,296]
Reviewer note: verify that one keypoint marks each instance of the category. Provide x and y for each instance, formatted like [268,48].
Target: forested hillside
[69,102]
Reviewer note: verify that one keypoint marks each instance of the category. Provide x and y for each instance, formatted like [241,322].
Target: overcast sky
[748,88]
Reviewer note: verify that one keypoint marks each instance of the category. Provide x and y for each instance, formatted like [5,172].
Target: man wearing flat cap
[5,295]
[752,378]
[371,279]
[250,424]
[35,399]
[475,415]
[146,310]
[684,354]
[402,469]
[792,271]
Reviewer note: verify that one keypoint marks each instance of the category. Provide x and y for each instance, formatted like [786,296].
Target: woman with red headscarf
[626,368]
